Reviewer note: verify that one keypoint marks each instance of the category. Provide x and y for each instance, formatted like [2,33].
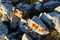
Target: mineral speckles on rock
[38,26]
[54,17]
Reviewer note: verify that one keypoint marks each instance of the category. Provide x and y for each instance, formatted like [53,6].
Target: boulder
[38,6]
[23,26]
[26,37]
[37,26]
[3,29]
[53,19]
[57,9]
[51,5]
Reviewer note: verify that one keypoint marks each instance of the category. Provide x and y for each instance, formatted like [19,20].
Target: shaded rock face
[38,26]
[57,9]
[53,18]
[3,29]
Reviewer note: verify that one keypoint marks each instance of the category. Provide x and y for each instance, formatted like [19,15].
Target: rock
[12,35]
[57,9]
[55,19]
[38,6]
[22,26]
[3,29]
[51,5]
[18,13]
[26,37]
[3,37]
[38,26]
[5,10]
[14,22]
[45,19]
[27,7]
[19,5]
[34,36]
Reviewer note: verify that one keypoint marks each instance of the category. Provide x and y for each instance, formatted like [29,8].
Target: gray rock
[38,26]
[3,37]
[26,37]
[14,21]
[3,29]
[55,19]
[51,4]
[38,6]
[22,26]
[19,5]
[57,9]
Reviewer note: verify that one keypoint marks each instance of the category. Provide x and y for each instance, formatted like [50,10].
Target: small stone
[26,37]
[38,26]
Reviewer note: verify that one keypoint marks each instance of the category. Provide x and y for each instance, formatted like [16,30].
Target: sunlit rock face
[51,4]
[53,19]
[3,37]
[5,10]
[26,37]
[38,26]
[57,9]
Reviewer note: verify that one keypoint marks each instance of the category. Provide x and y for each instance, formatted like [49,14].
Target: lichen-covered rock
[52,18]
[26,37]
[38,26]
[3,29]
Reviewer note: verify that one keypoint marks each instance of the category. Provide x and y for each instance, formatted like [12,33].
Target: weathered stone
[3,37]
[3,29]
[55,19]
[38,6]
[26,37]
[19,5]
[51,4]
[22,26]
[57,9]
[38,26]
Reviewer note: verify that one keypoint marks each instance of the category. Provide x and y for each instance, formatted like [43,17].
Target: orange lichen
[34,25]
[41,30]
[18,13]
